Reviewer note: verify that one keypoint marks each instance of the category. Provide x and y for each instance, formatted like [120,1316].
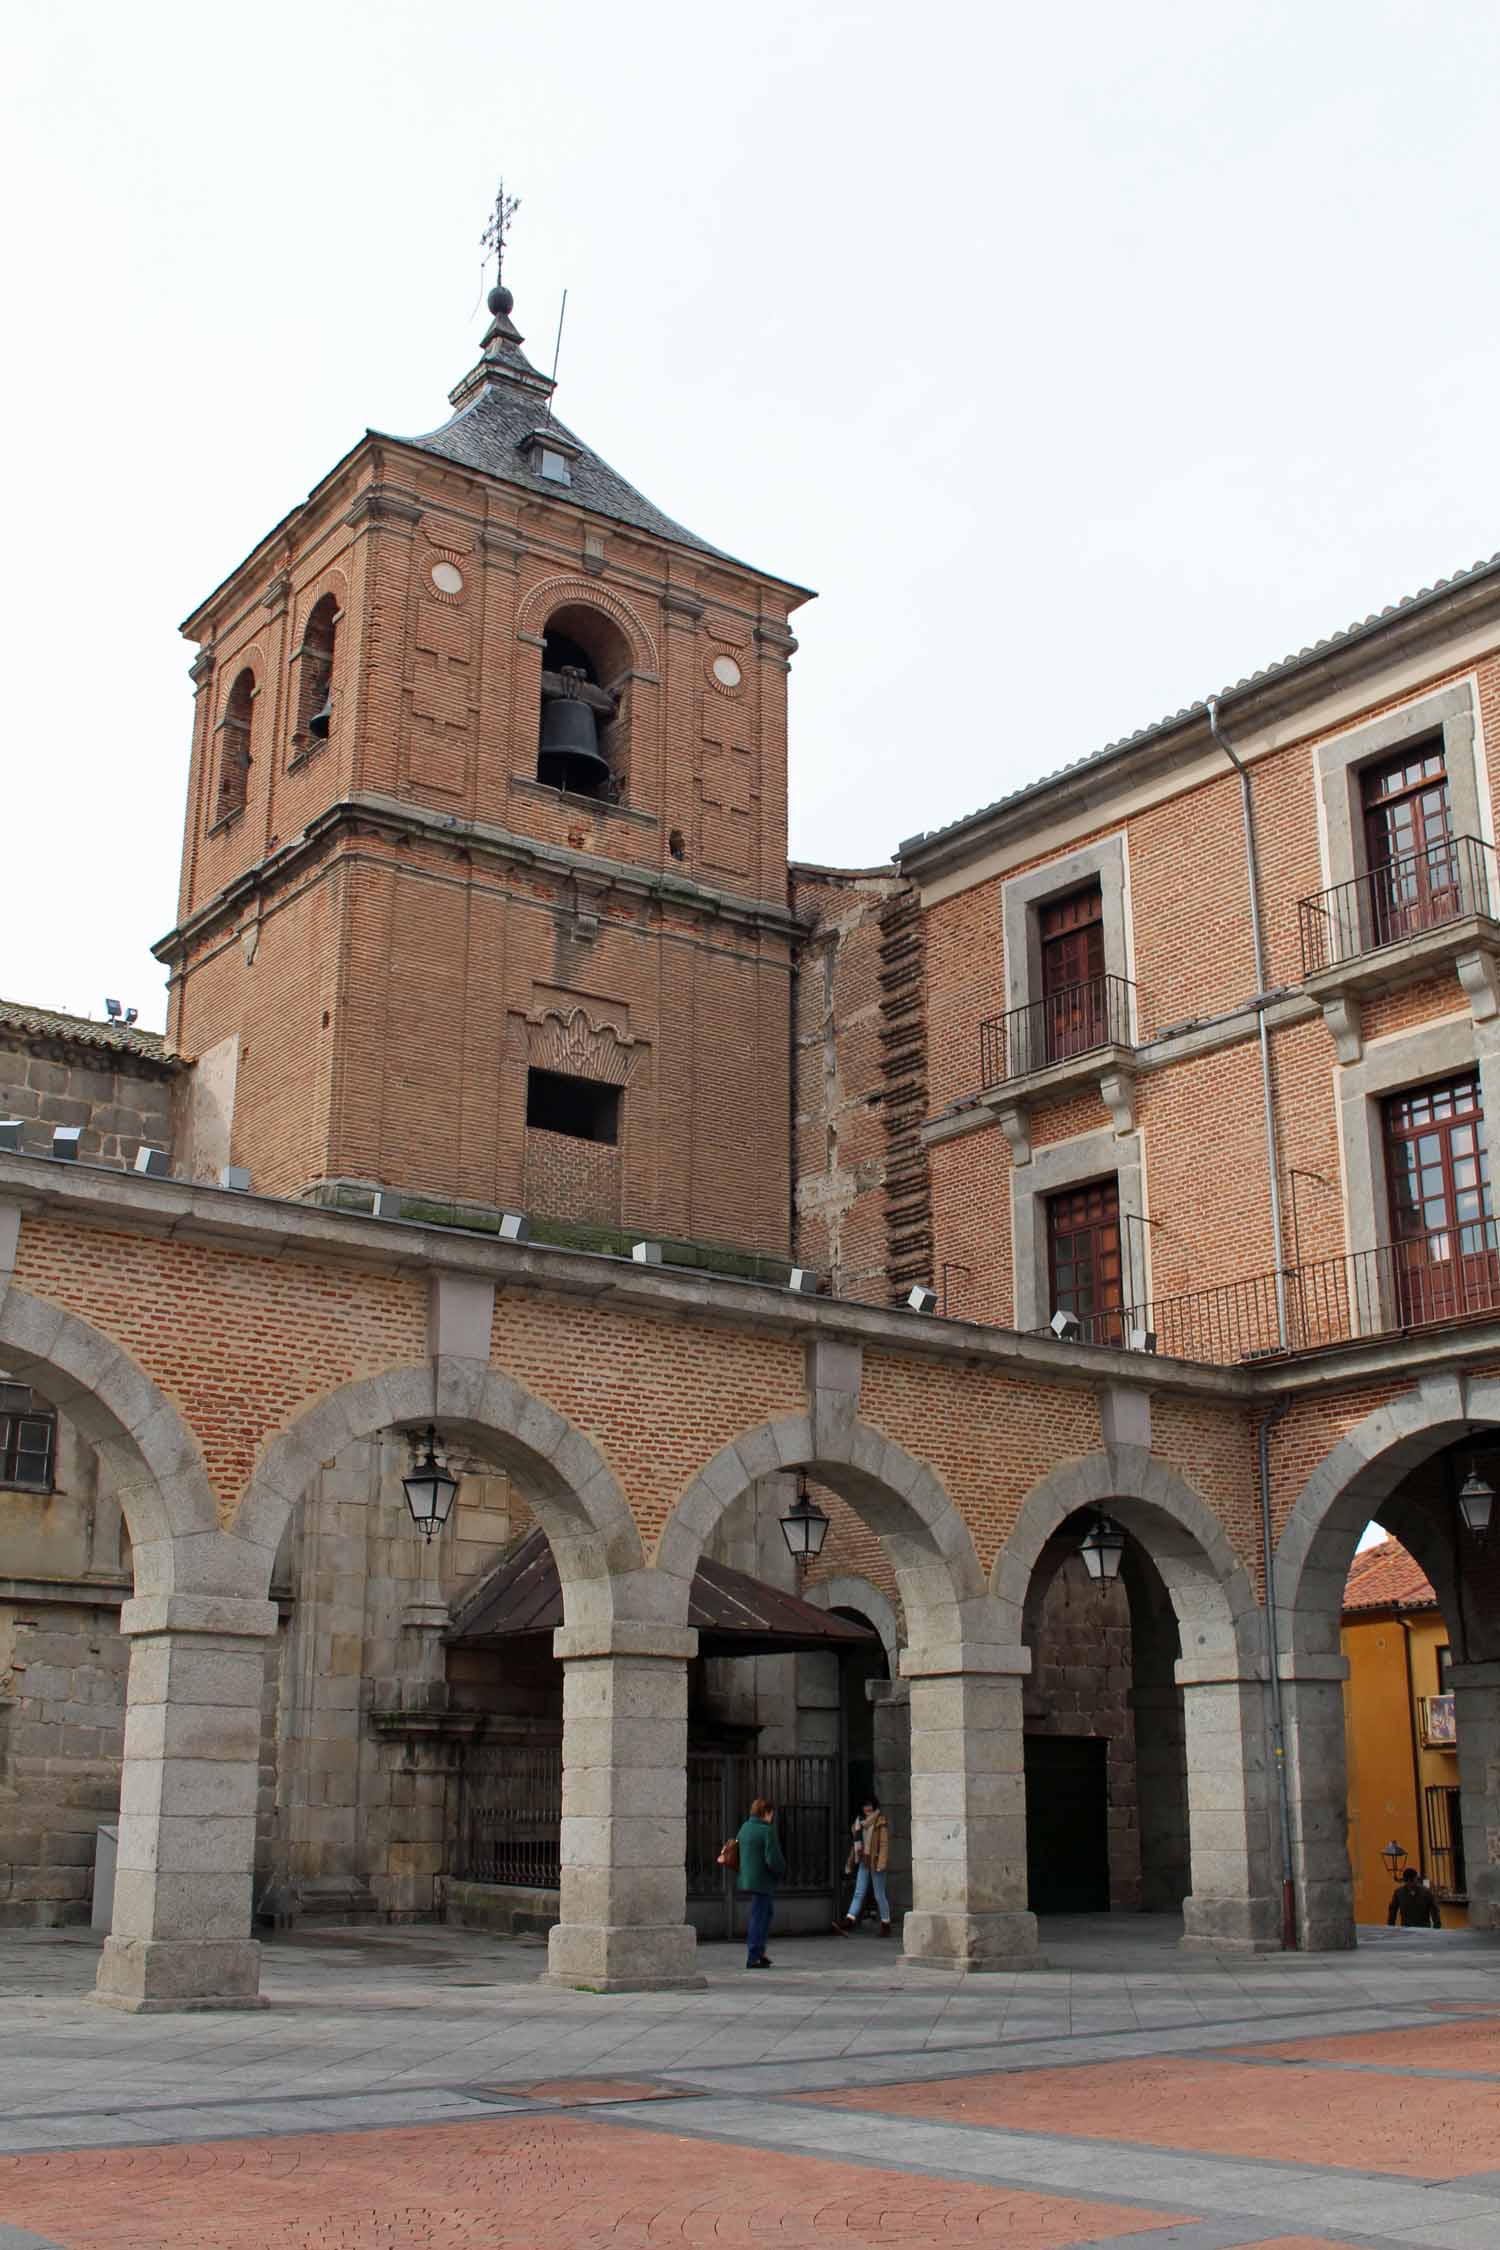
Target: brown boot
[885,1929]
[843,1925]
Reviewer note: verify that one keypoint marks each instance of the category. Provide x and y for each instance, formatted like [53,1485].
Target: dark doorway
[1067,1824]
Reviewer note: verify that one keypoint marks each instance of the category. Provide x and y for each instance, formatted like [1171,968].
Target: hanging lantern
[804,1527]
[1101,1551]
[1476,1500]
[429,1487]
[1393,1855]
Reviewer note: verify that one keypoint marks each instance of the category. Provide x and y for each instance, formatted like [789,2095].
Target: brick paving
[420,2087]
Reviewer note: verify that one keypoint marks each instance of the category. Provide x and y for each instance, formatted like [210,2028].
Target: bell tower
[484,887]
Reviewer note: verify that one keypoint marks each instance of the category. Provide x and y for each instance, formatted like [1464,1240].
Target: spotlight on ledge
[235,1177]
[514,1227]
[922,1300]
[65,1140]
[10,1136]
[1066,1327]
[1143,1339]
[646,1253]
[803,1280]
[154,1162]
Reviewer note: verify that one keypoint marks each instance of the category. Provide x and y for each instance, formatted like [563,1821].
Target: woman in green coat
[762,1864]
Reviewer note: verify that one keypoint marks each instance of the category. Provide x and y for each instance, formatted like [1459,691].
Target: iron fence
[1100,1012]
[1451,1274]
[509,1827]
[1416,891]
[1445,1841]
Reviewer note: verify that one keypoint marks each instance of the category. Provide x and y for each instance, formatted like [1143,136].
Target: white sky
[1085,359]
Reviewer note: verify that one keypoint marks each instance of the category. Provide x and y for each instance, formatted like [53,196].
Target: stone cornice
[395,816]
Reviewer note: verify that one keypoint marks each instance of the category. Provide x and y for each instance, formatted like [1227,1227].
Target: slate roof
[1159,727]
[735,1615]
[20,1019]
[486,434]
[1386,1577]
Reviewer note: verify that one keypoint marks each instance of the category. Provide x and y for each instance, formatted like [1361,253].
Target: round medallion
[727,672]
[448,578]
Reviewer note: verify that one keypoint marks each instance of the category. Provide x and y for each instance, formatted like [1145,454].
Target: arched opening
[1345,1655]
[314,660]
[583,743]
[234,748]
[1106,1778]
[1146,1746]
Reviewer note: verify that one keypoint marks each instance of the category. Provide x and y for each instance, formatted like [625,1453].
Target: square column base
[983,1943]
[168,1976]
[621,1957]
[1231,1925]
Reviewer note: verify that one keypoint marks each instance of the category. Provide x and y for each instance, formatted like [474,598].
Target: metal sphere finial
[500,301]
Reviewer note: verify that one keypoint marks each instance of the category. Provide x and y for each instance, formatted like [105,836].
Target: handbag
[729,1856]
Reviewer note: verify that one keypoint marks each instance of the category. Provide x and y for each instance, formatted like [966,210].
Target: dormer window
[547,453]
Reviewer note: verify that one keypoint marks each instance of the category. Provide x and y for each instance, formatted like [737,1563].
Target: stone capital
[226,1616]
[1294,1665]
[625,1636]
[954,1659]
[1229,1670]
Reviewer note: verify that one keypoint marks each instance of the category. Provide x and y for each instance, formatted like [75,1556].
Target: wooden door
[1442,1229]
[1083,1246]
[1410,851]
[1074,1014]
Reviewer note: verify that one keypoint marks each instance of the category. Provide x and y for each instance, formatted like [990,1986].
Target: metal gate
[509,1827]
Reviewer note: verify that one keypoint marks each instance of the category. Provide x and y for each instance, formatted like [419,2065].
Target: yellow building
[1398,1724]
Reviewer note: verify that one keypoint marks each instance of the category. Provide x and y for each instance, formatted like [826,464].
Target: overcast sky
[1084,359]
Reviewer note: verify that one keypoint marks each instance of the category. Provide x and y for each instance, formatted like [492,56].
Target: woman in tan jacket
[870,1855]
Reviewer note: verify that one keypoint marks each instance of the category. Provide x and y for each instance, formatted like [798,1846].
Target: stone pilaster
[1476,1711]
[1235,1902]
[891,1704]
[623,1925]
[968,1812]
[1312,1710]
[181,1931]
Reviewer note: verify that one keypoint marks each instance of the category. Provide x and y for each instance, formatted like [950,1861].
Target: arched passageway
[1198,1709]
[1400,1468]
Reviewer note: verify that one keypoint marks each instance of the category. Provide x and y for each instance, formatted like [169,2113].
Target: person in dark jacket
[762,1864]
[1413,1905]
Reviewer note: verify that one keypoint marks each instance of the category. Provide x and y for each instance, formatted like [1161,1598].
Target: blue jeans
[762,1907]
[862,1882]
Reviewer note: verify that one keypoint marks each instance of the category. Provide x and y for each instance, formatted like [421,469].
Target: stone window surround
[1451,711]
[1024,896]
[1066,1164]
[1408,1058]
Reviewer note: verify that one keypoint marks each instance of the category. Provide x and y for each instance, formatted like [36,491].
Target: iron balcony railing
[1445,1841]
[1452,1274]
[1100,1012]
[1416,891]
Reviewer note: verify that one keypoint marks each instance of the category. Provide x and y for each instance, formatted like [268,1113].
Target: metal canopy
[736,1615]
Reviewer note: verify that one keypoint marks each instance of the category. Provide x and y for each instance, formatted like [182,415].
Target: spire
[501,358]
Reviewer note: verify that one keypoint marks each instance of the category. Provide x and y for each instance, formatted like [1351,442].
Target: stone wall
[119,1099]
[1080,1684]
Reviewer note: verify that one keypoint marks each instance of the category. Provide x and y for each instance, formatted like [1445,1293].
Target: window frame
[11,1450]
[605,1092]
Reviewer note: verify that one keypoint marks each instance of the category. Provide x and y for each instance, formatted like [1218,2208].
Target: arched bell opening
[583,742]
[315,661]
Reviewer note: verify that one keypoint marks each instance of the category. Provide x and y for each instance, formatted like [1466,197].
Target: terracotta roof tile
[1386,1577]
[20,1017]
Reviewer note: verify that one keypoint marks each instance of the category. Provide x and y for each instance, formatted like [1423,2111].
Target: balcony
[1081,1036]
[1430,1281]
[1420,913]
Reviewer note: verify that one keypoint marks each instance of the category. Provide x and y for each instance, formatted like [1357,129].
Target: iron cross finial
[494,235]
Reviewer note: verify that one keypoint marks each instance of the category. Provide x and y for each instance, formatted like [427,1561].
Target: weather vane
[493,237]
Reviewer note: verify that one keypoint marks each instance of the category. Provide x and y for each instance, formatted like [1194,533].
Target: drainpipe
[1262,1001]
[1273,1639]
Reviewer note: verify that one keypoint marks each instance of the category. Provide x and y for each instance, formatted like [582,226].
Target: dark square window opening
[586,1109]
[28,1443]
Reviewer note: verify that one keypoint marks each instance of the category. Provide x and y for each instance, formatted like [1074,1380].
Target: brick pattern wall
[572,1179]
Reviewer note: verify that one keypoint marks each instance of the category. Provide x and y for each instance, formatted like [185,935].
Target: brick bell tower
[484,884]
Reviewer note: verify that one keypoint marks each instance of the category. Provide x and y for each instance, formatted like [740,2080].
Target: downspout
[1273,1675]
[1261,1003]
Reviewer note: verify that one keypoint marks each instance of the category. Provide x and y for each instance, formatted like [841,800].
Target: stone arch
[574,1493]
[897,1496]
[845,1592]
[156,1469]
[1353,1485]
[567,591]
[1215,1603]
[1216,1684]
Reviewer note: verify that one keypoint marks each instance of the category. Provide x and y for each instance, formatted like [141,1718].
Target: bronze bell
[322,719]
[569,754]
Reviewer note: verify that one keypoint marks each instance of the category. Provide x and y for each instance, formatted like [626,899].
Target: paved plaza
[421,2086]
